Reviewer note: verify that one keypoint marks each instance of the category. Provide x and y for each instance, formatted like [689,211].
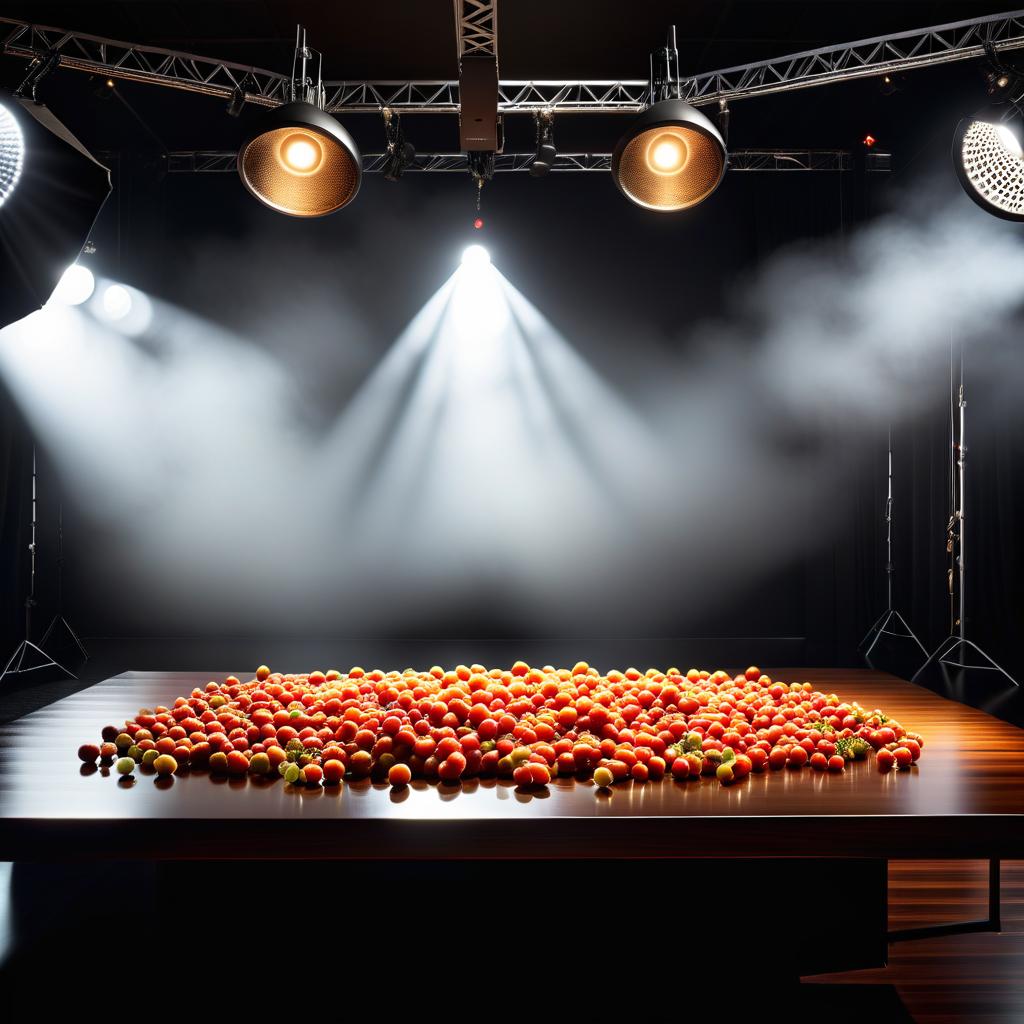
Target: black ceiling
[537,38]
[409,39]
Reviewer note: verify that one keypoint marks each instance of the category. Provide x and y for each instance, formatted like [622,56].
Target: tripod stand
[59,621]
[29,656]
[890,622]
[957,641]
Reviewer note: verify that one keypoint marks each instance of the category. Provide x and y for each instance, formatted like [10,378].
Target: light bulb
[301,154]
[667,154]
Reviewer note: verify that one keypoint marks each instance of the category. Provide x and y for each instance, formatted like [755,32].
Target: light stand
[890,618]
[28,656]
[59,621]
[957,642]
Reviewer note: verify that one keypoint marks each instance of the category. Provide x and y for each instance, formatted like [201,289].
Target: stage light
[989,162]
[236,104]
[12,153]
[75,286]
[117,302]
[475,256]
[546,154]
[300,161]
[673,157]
[400,154]
[51,191]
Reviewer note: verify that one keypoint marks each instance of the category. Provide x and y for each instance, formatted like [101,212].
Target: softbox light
[51,191]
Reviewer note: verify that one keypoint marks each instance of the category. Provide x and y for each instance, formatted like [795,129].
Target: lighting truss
[476,27]
[902,51]
[220,161]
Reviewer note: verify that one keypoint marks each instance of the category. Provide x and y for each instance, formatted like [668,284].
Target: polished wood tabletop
[964,799]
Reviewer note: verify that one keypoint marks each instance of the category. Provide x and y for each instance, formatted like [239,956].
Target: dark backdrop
[582,255]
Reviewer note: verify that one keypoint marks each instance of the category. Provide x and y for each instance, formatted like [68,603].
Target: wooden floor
[965,979]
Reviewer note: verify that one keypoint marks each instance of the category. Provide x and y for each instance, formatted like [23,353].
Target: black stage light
[236,104]
[989,162]
[51,191]
[238,99]
[400,154]
[673,157]
[544,158]
[300,161]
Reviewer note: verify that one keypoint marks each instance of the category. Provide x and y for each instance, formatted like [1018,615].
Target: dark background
[582,255]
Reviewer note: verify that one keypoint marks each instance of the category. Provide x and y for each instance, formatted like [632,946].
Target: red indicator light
[478,223]
[869,140]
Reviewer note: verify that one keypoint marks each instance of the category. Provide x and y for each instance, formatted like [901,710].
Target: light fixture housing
[300,161]
[547,153]
[12,153]
[671,158]
[52,191]
[989,162]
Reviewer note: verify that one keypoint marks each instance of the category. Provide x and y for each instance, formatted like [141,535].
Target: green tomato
[149,757]
[293,774]
[724,772]
[124,765]
[728,754]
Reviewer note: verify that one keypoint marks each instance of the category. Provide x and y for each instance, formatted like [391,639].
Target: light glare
[117,302]
[475,256]
[301,154]
[75,286]
[666,154]
[1009,140]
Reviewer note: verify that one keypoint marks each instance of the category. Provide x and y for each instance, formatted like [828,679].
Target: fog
[484,464]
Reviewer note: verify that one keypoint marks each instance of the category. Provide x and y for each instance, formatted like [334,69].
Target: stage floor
[965,799]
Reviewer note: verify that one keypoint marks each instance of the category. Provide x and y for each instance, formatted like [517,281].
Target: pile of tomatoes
[526,724]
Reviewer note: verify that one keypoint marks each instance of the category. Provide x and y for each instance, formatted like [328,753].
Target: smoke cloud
[483,466]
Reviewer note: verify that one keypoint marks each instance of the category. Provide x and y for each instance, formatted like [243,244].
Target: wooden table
[966,799]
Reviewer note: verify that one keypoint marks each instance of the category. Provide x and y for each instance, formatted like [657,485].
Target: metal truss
[149,64]
[476,27]
[903,51]
[220,161]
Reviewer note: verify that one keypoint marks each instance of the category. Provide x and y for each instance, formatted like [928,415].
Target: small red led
[869,140]
[478,223]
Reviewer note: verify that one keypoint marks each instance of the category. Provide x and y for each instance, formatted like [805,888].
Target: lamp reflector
[989,162]
[300,161]
[12,153]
